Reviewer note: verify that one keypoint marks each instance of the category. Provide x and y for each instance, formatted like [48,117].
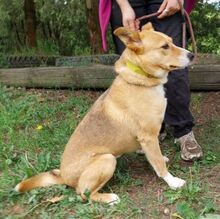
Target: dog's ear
[130,38]
[147,26]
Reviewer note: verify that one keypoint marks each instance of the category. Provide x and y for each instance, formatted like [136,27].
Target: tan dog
[125,118]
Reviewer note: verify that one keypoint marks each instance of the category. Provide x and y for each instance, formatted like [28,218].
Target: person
[124,13]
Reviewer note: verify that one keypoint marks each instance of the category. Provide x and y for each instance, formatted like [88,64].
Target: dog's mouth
[174,67]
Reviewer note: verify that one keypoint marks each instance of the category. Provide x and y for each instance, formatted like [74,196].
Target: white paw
[174,182]
[114,199]
[166,159]
[140,151]
[177,183]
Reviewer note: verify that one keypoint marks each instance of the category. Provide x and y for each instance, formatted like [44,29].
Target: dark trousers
[178,114]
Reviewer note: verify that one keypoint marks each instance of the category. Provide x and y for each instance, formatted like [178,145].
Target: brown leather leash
[186,23]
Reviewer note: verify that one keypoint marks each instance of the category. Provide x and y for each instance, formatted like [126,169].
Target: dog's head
[152,51]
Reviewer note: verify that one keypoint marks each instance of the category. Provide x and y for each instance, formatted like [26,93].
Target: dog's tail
[41,180]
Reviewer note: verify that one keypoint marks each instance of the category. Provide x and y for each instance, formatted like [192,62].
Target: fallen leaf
[17,210]
[39,127]
[55,199]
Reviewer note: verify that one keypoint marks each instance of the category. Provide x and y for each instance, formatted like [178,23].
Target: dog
[125,118]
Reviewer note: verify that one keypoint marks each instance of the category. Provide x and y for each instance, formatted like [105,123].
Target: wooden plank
[96,76]
[202,77]
[207,59]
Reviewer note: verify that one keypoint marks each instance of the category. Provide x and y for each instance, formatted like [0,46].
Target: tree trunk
[93,26]
[30,23]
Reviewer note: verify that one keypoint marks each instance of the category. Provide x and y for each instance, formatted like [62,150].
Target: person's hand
[169,7]
[128,18]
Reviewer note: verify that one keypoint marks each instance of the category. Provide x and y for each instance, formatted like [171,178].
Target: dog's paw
[177,183]
[174,182]
[114,199]
[166,159]
[140,151]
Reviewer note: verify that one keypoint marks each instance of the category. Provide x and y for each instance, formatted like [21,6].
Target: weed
[185,210]
[196,101]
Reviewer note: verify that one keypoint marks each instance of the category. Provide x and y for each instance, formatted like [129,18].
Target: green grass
[35,125]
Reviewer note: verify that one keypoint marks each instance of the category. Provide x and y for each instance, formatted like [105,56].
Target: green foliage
[186,211]
[62,28]
[11,18]
[189,193]
[66,23]
[3,61]
[206,23]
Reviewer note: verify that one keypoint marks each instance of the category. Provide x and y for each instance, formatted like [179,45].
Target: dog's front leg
[150,145]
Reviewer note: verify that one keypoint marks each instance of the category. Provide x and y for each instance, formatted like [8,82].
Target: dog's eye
[165,46]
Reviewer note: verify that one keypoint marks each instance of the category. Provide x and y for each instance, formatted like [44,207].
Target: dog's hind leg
[94,178]
[150,146]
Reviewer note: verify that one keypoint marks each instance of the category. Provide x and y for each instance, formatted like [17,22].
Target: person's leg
[178,114]
[177,88]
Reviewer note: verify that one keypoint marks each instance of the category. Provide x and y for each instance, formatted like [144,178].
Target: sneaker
[190,149]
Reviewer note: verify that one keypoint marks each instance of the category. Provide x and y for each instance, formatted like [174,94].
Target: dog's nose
[190,56]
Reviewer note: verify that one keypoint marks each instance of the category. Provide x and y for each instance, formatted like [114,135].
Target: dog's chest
[131,105]
[147,104]
[147,97]
[159,90]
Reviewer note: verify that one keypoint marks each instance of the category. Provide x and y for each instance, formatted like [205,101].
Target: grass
[34,128]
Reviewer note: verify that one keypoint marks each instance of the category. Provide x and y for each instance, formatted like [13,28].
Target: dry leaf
[55,199]
[17,210]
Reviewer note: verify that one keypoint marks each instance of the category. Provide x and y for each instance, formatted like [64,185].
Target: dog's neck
[138,70]
[133,74]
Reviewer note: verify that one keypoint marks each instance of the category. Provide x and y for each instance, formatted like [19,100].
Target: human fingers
[132,25]
[128,18]
[137,25]
[164,13]
[125,23]
[171,8]
[162,6]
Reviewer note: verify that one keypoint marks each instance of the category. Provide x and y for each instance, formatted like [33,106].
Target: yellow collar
[137,69]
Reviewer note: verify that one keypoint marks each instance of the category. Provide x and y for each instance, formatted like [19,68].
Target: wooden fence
[205,75]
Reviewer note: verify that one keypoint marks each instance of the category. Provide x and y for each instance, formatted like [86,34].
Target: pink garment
[105,7]
[190,5]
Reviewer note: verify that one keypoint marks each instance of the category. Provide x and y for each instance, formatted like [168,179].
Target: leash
[186,23]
